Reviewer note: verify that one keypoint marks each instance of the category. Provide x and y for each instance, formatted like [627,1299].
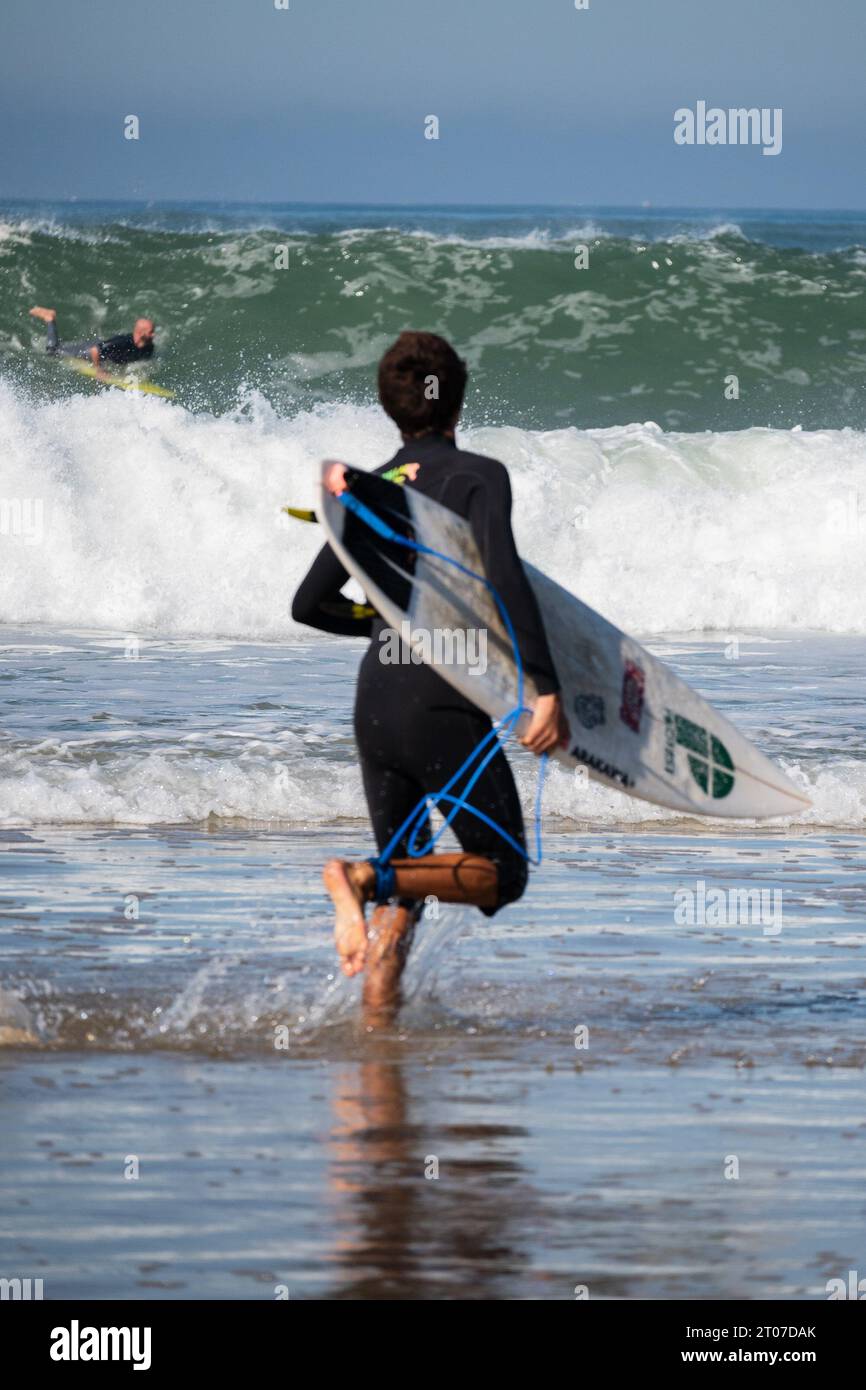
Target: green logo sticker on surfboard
[709,761]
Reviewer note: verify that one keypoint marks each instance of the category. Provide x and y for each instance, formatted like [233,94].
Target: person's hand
[548,727]
[335,479]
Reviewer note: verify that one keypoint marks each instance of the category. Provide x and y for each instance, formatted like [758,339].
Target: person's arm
[93,354]
[319,602]
[490,519]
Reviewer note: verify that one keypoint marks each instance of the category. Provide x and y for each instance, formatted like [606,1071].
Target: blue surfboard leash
[418,819]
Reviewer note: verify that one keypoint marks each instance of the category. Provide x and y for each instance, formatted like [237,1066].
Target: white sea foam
[837,791]
[53,783]
[20,231]
[155,519]
[299,784]
[536,239]
[713,233]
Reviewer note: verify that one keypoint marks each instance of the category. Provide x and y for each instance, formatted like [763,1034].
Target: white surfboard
[633,724]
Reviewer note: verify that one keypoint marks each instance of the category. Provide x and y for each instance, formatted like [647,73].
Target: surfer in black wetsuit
[120,350]
[413,730]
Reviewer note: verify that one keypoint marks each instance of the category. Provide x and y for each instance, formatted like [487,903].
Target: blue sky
[325,101]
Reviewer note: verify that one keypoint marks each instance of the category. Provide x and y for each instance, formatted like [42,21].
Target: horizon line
[438,206]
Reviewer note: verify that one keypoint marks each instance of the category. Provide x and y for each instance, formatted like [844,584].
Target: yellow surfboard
[122,383]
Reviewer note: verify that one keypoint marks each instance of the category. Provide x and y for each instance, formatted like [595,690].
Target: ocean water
[103,729]
[176,760]
[670,305]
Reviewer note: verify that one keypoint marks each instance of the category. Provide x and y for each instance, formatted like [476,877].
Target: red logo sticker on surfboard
[631,708]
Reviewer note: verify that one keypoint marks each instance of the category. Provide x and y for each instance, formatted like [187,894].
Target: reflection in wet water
[422,1205]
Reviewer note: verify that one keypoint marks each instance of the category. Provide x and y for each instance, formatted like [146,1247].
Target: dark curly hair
[421,383]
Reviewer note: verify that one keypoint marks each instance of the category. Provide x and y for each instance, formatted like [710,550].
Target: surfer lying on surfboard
[413,730]
[120,350]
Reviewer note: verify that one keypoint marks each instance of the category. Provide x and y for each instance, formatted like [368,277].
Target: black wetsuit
[413,730]
[118,350]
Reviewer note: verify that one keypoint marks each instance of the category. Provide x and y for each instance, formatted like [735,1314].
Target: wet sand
[310,1170]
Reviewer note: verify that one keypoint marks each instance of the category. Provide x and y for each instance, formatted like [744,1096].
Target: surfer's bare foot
[349,887]
[46,315]
[389,940]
